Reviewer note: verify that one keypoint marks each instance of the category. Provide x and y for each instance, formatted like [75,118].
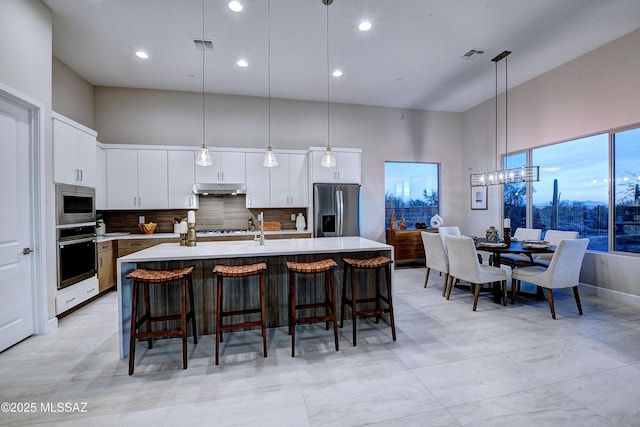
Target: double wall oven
[76,234]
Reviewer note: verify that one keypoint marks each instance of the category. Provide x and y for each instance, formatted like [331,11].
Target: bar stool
[376,263]
[142,277]
[223,271]
[325,266]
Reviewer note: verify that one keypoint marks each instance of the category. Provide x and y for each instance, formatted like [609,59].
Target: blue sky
[408,180]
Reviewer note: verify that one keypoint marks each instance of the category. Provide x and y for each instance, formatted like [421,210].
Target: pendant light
[502,175]
[203,158]
[270,159]
[329,159]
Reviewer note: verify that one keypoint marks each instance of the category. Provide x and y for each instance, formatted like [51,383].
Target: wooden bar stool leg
[147,307]
[344,294]
[378,295]
[183,320]
[132,337]
[262,315]
[334,307]
[354,311]
[193,310]
[218,317]
[292,308]
[390,299]
[327,301]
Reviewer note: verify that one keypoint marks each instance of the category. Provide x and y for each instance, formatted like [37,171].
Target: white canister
[100,228]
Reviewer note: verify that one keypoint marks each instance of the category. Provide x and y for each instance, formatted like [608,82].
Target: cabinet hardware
[26,251]
[70,300]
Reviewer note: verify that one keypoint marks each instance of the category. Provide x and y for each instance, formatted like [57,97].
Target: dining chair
[563,271]
[464,265]
[554,237]
[453,230]
[435,256]
[518,260]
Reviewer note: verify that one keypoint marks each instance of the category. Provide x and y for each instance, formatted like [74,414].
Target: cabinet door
[257,181]
[181,177]
[320,174]
[152,179]
[106,274]
[209,173]
[86,157]
[65,157]
[122,179]
[232,167]
[101,178]
[298,181]
[349,168]
[280,182]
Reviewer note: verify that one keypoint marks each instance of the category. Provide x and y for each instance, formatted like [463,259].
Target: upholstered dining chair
[451,231]
[563,271]
[464,265]
[435,256]
[518,260]
[554,237]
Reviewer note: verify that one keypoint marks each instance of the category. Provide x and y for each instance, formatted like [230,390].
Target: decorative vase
[393,223]
[403,223]
[492,235]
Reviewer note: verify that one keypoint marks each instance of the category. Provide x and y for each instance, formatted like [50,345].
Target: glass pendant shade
[203,158]
[270,159]
[329,159]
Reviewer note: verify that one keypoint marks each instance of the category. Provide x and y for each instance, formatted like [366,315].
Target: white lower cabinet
[137,179]
[73,295]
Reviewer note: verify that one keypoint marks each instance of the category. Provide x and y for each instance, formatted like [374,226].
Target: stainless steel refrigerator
[336,210]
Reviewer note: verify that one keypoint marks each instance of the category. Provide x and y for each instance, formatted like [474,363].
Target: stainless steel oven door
[76,260]
[75,204]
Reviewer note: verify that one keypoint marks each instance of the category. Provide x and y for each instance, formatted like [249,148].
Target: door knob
[26,251]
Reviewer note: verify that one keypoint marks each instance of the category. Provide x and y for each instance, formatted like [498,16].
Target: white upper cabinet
[181,177]
[228,167]
[283,186]
[101,178]
[74,153]
[347,169]
[137,179]
[257,181]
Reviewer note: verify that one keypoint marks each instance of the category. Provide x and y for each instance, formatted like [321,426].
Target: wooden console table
[408,247]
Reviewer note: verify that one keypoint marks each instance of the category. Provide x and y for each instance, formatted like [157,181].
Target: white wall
[72,96]
[137,116]
[596,92]
[25,65]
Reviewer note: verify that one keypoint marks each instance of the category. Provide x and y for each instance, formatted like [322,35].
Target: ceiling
[411,58]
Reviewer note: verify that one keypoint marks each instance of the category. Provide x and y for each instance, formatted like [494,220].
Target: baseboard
[609,294]
[51,325]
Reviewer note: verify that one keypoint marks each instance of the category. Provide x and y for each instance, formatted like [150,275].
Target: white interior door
[16,263]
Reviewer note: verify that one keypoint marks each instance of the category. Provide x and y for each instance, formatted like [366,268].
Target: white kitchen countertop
[250,248]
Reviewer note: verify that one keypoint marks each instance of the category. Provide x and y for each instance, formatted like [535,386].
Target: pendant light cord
[204,132]
[496,158]
[506,107]
[328,79]
[269,65]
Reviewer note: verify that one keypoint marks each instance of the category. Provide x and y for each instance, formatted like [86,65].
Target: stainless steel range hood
[213,189]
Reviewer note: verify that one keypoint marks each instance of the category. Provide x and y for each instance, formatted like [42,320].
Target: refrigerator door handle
[340,212]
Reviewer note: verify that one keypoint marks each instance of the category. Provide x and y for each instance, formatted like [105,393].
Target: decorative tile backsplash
[214,212]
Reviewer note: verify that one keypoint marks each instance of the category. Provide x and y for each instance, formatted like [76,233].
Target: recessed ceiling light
[142,54]
[337,73]
[235,5]
[242,63]
[364,26]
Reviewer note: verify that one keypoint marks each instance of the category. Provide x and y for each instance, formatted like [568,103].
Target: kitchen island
[207,254]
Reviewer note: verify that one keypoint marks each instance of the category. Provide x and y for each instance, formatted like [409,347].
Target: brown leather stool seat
[223,271]
[325,266]
[141,278]
[375,263]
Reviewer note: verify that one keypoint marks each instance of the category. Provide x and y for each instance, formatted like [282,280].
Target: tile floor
[499,366]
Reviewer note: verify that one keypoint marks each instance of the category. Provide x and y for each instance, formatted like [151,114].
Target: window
[515,195]
[626,183]
[411,189]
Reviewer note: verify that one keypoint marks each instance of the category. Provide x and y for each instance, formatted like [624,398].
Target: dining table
[528,248]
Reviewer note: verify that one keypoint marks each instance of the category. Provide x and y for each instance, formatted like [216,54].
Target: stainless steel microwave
[75,204]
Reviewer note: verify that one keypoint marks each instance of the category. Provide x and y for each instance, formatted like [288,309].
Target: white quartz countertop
[250,248]
[124,236]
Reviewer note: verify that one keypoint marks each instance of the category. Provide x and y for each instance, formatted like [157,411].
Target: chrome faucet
[261,222]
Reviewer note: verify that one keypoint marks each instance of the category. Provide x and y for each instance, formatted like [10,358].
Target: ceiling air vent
[472,54]
[208,44]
